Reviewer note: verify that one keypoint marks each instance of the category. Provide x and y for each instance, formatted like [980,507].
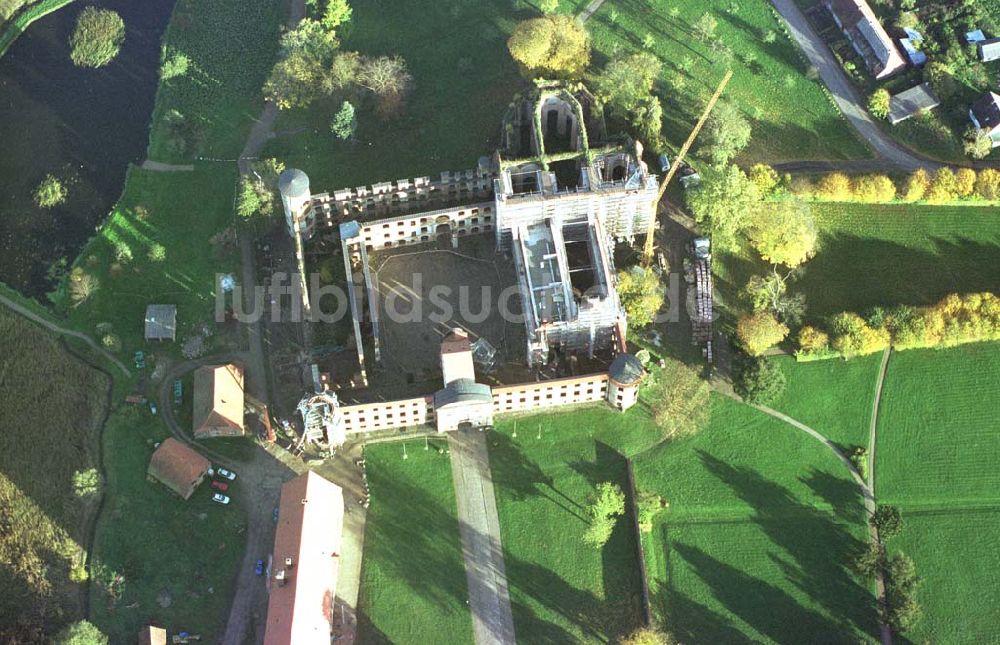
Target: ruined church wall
[388,415]
[547,394]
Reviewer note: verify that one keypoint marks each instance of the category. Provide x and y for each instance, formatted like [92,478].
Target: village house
[178,467]
[866,34]
[985,115]
[218,401]
[306,561]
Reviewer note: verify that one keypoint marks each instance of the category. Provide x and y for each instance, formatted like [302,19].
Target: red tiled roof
[218,401]
[178,467]
[310,520]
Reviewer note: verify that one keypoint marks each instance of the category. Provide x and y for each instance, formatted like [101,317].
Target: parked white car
[220,498]
[221,473]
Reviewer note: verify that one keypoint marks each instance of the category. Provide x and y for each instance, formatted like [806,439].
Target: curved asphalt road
[844,94]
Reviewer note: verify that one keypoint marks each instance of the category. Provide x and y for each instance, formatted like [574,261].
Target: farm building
[161,322]
[911,102]
[178,467]
[985,115]
[218,401]
[989,50]
[306,561]
[866,34]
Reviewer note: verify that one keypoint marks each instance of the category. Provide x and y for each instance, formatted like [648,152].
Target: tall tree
[725,202]
[784,232]
[606,506]
[760,331]
[641,294]
[680,400]
[727,132]
[555,45]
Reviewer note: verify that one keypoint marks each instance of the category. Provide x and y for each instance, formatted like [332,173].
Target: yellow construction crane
[647,253]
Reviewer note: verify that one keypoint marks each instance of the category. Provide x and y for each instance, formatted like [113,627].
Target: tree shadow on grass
[411,537]
[843,494]
[518,476]
[816,551]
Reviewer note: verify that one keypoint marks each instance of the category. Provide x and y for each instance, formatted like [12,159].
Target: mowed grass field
[51,408]
[936,458]
[463,79]
[757,542]
[834,397]
[561,589]
[765,74]
[872,255]
[413,584]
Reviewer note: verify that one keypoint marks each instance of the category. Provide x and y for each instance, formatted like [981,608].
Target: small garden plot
[413,583]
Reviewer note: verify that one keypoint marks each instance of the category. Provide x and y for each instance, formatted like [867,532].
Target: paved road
[51,326]
[492,620]
[844,94]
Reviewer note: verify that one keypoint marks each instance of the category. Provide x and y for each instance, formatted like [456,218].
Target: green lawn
[230,45]
[755,546]
[413,585]
[834,397]
[936,459]
[183,213]
[561,589]
[463,78]
[938,427]
[765,76]
[50,416]
[884,255]
[955,552]
[160,543]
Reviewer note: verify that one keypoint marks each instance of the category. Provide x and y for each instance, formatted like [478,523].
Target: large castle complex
[554,199]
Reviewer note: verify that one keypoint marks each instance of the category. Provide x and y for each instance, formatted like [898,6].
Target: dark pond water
[82,125]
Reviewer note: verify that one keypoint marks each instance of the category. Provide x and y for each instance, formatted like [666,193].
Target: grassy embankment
[14,24]
[413,585]
[53,406]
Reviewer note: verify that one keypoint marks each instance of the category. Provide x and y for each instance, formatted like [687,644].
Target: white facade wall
[387,415]
[546,394]
[423,227]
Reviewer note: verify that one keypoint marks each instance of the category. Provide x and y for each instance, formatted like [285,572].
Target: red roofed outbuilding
[306,560]
[178,467]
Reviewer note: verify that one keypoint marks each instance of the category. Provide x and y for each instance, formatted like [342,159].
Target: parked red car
[223,486]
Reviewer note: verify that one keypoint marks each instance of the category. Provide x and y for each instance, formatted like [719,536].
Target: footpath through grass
[834,397]
[937,458]
[768,69]
[763,524]
[50,415]
[413,584]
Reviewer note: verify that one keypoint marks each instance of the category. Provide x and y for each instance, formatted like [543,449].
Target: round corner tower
[293,184]
[624,377]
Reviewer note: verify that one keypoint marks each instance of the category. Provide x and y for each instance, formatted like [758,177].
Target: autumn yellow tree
[874,189]
[784,232]
[988,184]
[965,182]
[812,339]
[641,294]
[760,331]
[835,187]
[555,45]
[943,188]
[916,186]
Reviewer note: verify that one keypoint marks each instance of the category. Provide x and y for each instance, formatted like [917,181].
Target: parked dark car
[222,486]
[259,568]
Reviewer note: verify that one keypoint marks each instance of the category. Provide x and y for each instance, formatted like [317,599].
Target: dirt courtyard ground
[425,291]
